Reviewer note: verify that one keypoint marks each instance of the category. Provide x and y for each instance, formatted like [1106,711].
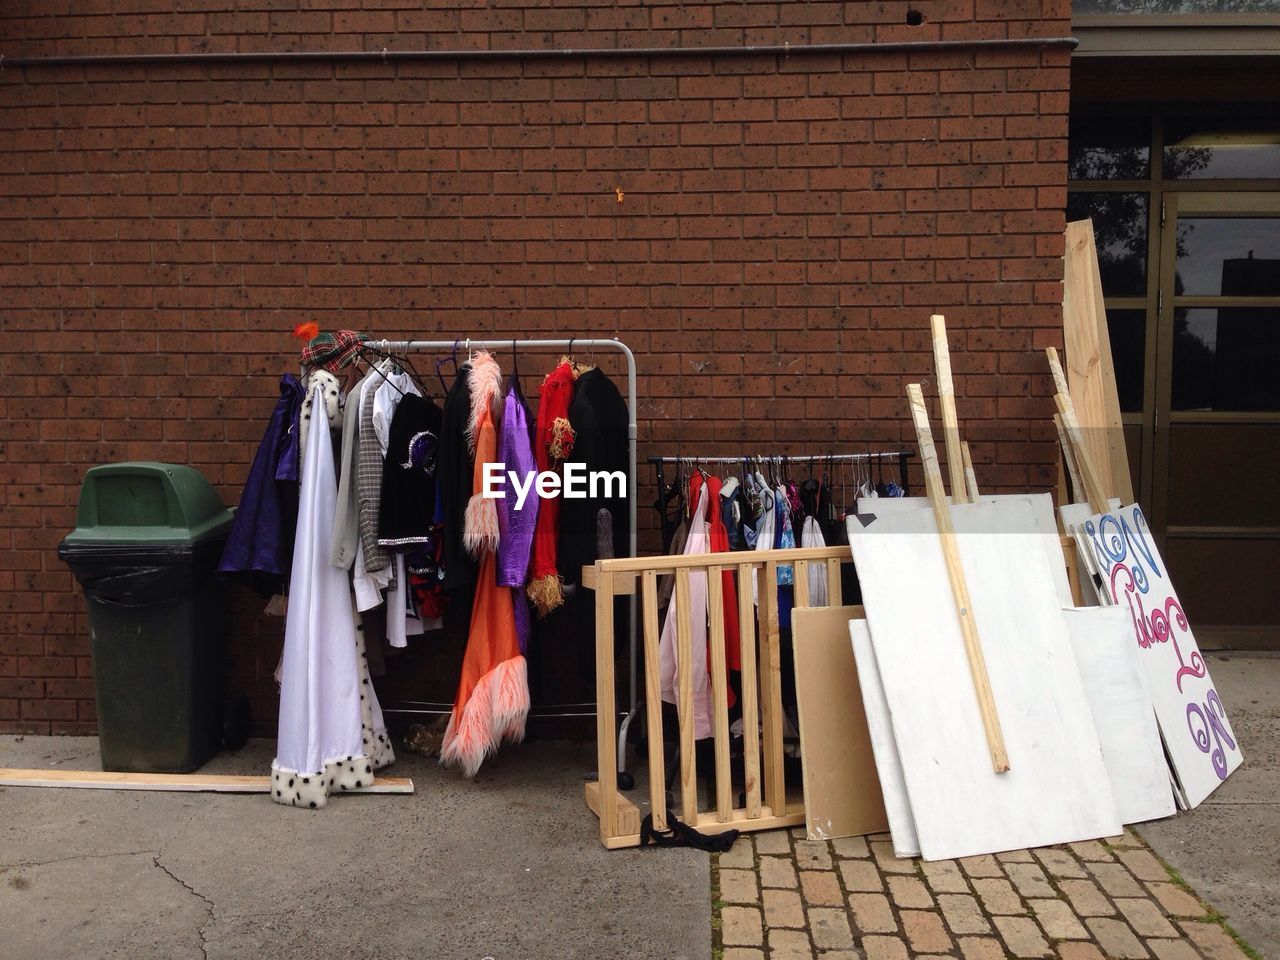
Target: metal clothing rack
[561,710]
[902,456]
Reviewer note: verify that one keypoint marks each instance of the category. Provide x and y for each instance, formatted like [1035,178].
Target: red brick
[791,221]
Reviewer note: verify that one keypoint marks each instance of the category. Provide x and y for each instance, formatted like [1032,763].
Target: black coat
[599,418]
[454,469]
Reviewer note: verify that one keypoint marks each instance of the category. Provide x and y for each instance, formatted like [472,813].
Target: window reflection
[1120,231]
[1109,148]
[1127,331]
[1224,358]
[1228,257]
[1202,148]
[1175,6]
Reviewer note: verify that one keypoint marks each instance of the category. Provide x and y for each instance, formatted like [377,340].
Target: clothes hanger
[377,368]
[442,361]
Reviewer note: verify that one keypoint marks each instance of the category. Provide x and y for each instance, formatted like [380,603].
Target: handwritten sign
[1201,745]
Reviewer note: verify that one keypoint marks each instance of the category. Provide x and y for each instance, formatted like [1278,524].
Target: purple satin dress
[259,548]
[515,527]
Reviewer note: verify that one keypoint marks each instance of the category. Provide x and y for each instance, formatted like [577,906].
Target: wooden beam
[684,697]
[606,708]
[970,477]
[1093,490]
[959,589]
[947,398]
[168,782]
[1068,457]
[628,815]
[653,700]
[719,693]
[1090,371]
[750,691]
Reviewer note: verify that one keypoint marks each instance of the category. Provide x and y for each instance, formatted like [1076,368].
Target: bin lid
[149,503]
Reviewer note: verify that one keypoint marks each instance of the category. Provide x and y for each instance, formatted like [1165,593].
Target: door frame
[1159,422]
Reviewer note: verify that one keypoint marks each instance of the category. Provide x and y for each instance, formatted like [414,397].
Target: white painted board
[902,826]
[1072,516]
[1201,745]
[1056,789]
[1102,641]
[1044,526]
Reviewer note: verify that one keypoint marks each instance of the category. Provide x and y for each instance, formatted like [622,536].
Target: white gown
[332,736]
[696,542]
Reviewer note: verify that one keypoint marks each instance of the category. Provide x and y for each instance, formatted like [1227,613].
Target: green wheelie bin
[147,540]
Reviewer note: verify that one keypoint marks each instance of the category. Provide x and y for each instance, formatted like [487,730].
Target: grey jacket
[342,553]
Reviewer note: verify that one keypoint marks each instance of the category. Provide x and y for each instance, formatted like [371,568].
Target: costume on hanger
[325,693]
[408,496]
[718,542]
[598,418]
[259,547]
[346,529]
[696,543]
[329,403]
[373,557]
[493,694]
[516,526]
[553,444]
[454,474]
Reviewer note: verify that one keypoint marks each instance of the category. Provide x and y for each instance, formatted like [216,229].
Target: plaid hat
[332,351]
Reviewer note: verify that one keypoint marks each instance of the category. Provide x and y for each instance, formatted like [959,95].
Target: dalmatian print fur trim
[328,383]
[312,790]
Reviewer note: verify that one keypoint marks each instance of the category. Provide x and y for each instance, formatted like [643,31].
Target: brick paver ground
[779,896]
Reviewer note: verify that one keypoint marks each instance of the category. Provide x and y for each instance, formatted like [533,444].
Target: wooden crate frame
[765,778]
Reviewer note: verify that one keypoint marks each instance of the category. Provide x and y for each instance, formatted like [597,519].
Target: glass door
[1216,451]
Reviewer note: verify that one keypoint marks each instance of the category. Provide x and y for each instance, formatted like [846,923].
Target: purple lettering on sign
[1207,720]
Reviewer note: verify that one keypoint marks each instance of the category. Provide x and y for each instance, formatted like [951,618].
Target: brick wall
[787,225]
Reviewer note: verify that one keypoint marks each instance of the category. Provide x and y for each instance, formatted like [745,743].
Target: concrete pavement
[1228,849]
[508,867]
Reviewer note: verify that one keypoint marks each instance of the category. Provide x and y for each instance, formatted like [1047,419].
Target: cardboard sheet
[1057,789]
[902,826]
[841,790]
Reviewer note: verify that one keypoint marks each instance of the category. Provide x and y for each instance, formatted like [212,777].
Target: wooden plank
[842,796]
[835,583]
[970,477]
[1108,659]
[947,399]
[628,815]
[719,693]
[1090,371]
[1069,460]
[893,787]
[606,707]
[775,788]
[1057,789]
[768,820]
[1203,749]
[800,580]
[684,697]
[675,562]
[653,700]
[959,588]
[750,691]
[624,584]
[168,782]
[1071,559]
[1093,490]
